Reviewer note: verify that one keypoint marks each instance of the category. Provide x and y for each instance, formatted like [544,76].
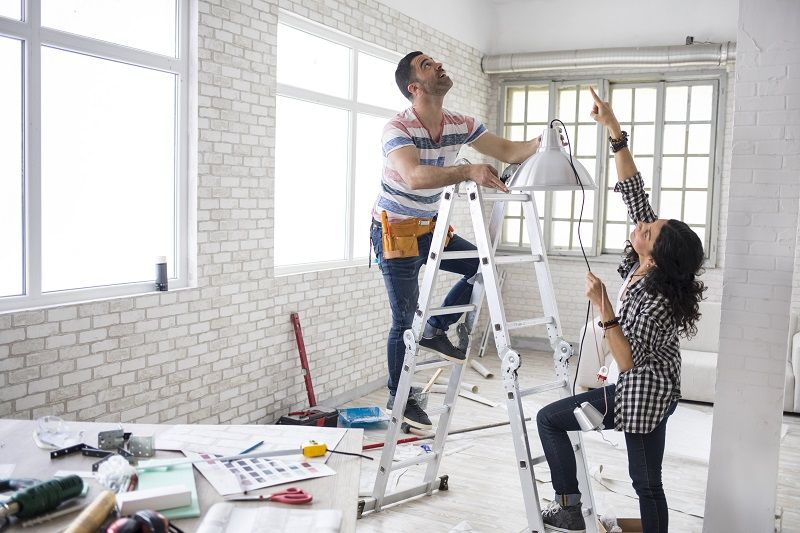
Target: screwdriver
[42,498]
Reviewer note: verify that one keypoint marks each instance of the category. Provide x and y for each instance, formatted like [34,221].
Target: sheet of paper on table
[233,439]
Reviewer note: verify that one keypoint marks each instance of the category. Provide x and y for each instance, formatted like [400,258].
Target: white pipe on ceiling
[701,54]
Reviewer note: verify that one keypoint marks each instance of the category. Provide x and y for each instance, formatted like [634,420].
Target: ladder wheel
[443,482]
[405,428]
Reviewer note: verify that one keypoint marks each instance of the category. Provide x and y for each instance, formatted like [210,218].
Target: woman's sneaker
[563,519]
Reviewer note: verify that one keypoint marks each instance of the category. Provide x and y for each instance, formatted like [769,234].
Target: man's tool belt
[400,238]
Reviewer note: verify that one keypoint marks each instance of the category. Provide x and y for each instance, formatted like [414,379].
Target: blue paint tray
[362,417]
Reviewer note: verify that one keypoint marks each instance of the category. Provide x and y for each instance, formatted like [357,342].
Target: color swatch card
[242,475]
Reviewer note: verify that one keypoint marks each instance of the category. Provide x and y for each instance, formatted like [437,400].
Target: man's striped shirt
[405,129]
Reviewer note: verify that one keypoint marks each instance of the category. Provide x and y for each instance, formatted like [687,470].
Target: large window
[93,145]
[673,129]
[335,93]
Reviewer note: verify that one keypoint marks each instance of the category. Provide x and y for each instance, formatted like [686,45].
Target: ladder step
[452,309]
[418,460]
[465,254]
[499,259]
[517,258]
[519,324]
[432,363]
[543,388]
[433,411]
[505,197]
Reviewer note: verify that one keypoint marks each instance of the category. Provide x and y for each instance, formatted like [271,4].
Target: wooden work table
[339,491]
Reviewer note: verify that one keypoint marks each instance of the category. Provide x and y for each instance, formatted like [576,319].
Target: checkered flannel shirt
[645,392]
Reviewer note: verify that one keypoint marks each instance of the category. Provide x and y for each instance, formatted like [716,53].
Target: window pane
[561,236]
[143,24]
[539,197]
[621,100]
[11,243]
[566,105]
[674,139]
[587,141]
[310,62]
[645,167]
[13,10]
[695,210]
[670,204]
[515,104]
[513,209]
[645,109]
[368,167]
[701,102]
[515,133]
[672,172]
[562,204]
[588,205]
[615,208]
[107,211]
[697,173]
[616,235]
[309,187]
[701,232]
[699,138]
[586,235]
[538,103]
[675,106]
[376,84]
[643,140]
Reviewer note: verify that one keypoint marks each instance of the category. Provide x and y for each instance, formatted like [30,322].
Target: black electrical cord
[353,454]
[583,250]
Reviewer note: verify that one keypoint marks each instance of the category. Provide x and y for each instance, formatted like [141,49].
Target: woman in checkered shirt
[658,302]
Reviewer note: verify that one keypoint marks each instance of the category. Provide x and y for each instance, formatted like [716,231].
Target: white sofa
[699,360]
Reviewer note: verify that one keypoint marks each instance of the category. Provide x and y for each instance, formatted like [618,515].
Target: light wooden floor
[484,484]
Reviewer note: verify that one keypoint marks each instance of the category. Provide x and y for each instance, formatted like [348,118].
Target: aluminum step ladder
[487,282]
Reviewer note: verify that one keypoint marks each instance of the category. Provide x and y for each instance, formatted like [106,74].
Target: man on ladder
[420,147]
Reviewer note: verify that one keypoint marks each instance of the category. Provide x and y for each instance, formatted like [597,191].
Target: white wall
[762,226]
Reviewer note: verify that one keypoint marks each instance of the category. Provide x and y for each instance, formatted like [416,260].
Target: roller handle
[91,518]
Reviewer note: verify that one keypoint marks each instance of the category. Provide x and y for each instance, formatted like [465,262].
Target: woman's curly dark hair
[678,255]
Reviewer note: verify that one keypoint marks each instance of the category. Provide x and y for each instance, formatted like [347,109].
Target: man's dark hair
[403,73]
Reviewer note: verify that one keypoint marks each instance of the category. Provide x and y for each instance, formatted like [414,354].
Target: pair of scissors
[292,496]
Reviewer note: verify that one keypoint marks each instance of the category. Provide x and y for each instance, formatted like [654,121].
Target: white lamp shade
[549,169]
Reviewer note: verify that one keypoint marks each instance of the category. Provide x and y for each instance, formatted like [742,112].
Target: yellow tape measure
[312,448]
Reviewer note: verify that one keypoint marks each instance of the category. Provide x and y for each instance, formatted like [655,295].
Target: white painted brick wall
[760,269]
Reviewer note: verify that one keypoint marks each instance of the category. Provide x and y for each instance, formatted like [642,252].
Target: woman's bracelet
[619,144]
[609,323]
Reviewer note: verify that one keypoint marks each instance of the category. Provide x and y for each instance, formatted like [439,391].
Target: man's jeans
[401,277]
[645,453]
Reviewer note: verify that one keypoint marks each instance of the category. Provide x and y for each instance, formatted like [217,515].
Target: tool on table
[292,496]
[93,516]
[41,498]
[147,521]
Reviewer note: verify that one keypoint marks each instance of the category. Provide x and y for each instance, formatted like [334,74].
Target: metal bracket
[142,446]
[55,454]
[110,440]
[94,452]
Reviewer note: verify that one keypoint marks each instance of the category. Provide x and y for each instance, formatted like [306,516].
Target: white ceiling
[509,26]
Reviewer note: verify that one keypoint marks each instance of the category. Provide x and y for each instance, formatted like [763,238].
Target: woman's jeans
[645,453]
[401,277]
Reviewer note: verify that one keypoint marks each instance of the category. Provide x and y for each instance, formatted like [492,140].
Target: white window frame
[33,36]
[353,243]
[604,82]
